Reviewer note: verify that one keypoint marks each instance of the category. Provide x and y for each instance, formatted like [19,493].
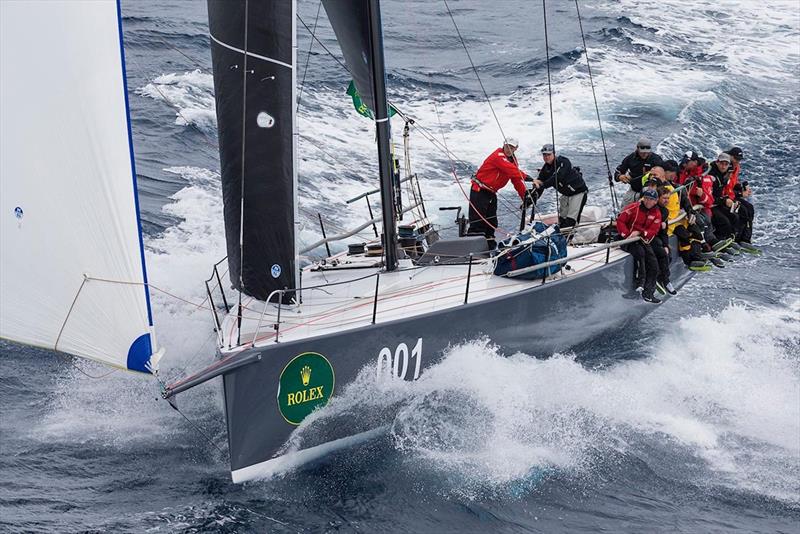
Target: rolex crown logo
[305,375]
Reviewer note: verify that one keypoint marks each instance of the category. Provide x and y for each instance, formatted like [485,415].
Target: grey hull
[538,320]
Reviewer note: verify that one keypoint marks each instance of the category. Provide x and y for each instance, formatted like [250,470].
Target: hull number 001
[397,364]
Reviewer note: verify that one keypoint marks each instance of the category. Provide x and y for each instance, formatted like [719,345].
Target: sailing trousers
[746,215]
[663,259]
[726,222]
[482,213]
[645,265]
[570,208]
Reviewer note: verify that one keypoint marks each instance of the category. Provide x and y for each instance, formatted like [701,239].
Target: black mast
[383,128]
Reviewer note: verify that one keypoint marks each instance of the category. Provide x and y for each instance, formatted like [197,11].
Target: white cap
[512,141]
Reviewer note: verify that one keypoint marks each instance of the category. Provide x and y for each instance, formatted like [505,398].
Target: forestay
[73,276]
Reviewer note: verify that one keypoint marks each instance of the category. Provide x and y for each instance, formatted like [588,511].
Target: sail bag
[528,249]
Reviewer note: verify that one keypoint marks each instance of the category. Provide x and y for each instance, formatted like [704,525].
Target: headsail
[259,213]
[73,275]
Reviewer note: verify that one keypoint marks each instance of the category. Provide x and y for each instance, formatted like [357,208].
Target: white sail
[68,206]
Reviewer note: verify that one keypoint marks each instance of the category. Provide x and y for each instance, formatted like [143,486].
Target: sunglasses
[643,147]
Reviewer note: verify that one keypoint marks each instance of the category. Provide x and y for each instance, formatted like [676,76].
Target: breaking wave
[717,392]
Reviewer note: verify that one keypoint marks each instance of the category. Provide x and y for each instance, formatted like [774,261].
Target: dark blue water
[689,421]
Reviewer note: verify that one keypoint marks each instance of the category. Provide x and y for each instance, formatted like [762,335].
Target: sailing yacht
[289,337]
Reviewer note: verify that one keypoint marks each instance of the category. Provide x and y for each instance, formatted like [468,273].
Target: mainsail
[73,275]
[254,94]
[358,28]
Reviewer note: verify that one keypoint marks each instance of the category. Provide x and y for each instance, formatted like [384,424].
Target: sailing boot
[650,297]
[749,248]
[722,244]
[717,262]
[699,266]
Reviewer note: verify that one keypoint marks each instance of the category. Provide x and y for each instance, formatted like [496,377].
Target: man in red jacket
[642,219]
[500,167]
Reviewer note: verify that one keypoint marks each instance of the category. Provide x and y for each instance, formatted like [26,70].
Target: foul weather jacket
[701,191]
[685,175]
[635,167]
[718,186]
[635,217]
[496,171]
[570,182]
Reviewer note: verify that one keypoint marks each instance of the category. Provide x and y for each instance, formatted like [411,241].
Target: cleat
[718,262]
[649,297]
[671,289]
[725,256]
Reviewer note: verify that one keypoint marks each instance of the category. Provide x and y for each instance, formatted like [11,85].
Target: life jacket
[732,181]
[686,175]
[674,209]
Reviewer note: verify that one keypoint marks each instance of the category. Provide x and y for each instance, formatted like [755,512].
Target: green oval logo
[305,383]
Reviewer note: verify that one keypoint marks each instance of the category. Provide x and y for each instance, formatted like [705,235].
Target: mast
[383,128]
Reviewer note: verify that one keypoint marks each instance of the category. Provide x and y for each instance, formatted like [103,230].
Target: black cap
[670,165]
[652,194]
[690,156]
[736,153]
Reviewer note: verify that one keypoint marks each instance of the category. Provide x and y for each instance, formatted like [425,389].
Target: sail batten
[68,203]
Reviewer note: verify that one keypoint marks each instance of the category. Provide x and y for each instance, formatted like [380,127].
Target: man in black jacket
[558,172]
[723,216]
[634,166]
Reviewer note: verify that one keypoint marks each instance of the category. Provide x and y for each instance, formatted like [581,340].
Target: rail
[210,294]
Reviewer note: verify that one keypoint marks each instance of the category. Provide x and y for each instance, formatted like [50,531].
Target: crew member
[740,192]
[660,243]
[634,166]
[736,157]
[746,212]
[723,210]
[691,166]
[558,172]
[642,219]
[500,167]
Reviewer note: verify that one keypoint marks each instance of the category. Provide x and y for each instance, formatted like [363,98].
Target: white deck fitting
[402,293]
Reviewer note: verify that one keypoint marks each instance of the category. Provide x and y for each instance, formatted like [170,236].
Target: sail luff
[134,176]
[295,145]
